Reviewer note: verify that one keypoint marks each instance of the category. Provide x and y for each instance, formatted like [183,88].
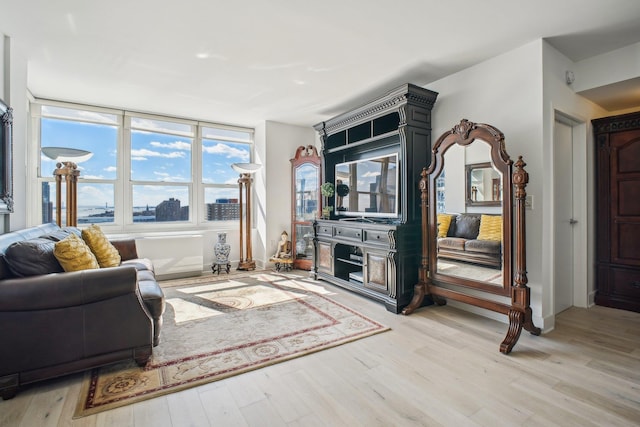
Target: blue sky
[155,157]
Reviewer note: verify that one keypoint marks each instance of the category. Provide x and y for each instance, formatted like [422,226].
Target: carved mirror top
[470,214]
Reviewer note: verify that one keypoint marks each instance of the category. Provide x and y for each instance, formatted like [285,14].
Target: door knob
[573,221]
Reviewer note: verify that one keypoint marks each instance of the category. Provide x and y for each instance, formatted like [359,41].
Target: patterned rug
[214,329]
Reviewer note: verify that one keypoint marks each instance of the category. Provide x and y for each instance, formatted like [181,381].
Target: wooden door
[618,212]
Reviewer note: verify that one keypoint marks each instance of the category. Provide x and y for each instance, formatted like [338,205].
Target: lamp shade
[64,154]
[246,167]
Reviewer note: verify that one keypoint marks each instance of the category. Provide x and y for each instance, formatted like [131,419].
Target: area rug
[472,271]
[214,329]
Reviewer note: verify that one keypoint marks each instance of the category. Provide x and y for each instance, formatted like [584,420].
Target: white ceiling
[299,62]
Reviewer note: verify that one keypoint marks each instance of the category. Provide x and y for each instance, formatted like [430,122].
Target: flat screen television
[367,187]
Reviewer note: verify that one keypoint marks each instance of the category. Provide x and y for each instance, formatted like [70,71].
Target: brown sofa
[461,242]
[55,323]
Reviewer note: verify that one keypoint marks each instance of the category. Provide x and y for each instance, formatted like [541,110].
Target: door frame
[581,188]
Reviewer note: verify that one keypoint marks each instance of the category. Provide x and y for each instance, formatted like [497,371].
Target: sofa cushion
[32,257]
[74,254]
[467,226]
[140,264]
[490,228]
[483,246]
[152,296]
[56,236]
[444,221]
[106,254]
[454,243]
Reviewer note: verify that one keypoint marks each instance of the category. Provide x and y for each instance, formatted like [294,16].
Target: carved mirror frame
[467,290]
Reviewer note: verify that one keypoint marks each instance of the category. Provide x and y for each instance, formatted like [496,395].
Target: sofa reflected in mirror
[472,238]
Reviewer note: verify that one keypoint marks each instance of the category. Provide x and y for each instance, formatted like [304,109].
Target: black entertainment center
[374,155]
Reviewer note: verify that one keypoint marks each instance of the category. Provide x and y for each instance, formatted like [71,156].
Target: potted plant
[327,190]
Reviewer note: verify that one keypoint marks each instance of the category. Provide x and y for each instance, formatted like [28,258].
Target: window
[143,168]
[84,130]
[220,149]
[160,157]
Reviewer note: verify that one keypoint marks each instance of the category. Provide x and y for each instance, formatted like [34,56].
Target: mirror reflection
[469,223]
[306,192]
[484,185]
[367,186]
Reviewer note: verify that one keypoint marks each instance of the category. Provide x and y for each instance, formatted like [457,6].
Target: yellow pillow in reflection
[490,228]
[444,221]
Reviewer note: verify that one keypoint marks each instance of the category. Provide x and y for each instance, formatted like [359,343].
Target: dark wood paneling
[618,211]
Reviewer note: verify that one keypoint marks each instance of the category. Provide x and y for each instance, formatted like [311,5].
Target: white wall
[520,93]
[506,92]
[561,99]
[598,71]
[282,140]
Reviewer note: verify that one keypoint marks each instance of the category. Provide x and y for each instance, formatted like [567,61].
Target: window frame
[123,184]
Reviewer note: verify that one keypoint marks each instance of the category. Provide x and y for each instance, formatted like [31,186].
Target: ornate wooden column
[246,262]
[70,172]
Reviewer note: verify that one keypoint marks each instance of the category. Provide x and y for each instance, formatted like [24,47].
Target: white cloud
[166,177]
[149,153]
[110,169]
[177,145]
[229,152]
[92,195]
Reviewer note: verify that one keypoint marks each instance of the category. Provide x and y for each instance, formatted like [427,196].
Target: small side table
[282,263]
[215,267]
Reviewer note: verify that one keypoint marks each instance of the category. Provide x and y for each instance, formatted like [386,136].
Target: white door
[563,216]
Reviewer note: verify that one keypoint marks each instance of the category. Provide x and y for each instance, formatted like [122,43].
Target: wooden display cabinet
[371,250]
[305,204]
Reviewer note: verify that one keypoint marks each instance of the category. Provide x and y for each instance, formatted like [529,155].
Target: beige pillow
[73,254]
[106,254]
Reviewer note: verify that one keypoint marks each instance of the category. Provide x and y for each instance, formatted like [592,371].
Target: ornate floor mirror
[473,227]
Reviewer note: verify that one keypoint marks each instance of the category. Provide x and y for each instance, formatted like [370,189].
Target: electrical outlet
[528,202]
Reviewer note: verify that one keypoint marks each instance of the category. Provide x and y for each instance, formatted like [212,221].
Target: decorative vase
[221,252]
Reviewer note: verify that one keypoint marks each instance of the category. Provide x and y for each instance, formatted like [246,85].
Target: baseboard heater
[173,256]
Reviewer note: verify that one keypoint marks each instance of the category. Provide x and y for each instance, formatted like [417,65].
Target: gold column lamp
[244,184]
[67,168]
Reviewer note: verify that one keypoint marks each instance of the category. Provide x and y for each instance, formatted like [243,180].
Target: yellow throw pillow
[444,221]
[490,228]
[73,254]
[106,254]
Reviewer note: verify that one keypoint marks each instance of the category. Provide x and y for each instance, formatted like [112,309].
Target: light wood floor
[439,366]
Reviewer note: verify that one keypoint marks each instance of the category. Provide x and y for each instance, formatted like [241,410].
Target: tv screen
[367,187]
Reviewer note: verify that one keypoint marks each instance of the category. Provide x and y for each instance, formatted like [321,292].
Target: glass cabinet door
[306,192]
[305,204]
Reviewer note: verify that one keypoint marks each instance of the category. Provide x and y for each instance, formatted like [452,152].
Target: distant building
[170,210]
[47,204]
[223,210]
